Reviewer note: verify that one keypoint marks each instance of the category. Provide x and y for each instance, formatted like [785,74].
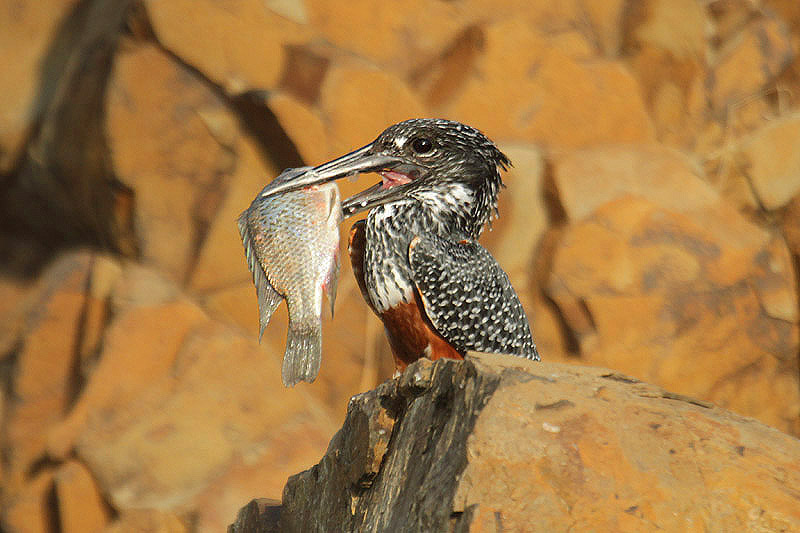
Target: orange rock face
[162,122]
[29,509]
[704,307]
[137,520]
[227,42]
[80,504]
[649,225]
[548,95]
[771,162]
[605,452]
[26,30]
[357,118]
[44,377]
[217,263]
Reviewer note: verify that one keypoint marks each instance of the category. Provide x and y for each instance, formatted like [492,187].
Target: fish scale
[291,243]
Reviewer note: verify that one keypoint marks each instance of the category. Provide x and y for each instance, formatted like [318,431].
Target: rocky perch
[498,443]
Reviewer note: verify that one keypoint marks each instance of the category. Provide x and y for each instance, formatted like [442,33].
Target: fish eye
[421,145]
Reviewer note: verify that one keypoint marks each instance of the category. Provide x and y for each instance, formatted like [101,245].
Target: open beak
[356,162]
[393,170]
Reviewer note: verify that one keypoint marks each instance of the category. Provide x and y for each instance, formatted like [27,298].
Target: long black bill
[370,197]
[358,161]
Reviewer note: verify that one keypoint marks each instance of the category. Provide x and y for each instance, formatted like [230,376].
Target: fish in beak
[395,172]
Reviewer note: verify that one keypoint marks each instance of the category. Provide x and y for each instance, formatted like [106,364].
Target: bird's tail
[303,353]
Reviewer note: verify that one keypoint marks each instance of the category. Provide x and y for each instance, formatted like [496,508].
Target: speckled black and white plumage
[424,238]
[468,298]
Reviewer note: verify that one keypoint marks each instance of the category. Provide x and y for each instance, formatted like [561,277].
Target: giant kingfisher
[416,257]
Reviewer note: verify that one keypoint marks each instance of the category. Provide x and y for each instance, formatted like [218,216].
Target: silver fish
[291,242]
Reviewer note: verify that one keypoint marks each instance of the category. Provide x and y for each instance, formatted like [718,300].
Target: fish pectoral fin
[333,281]
[268,300]
[303,354]
[268,297]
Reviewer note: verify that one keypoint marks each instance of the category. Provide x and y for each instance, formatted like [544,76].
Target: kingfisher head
[442,164]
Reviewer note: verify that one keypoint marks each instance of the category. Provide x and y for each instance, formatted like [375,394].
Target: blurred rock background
[651,222]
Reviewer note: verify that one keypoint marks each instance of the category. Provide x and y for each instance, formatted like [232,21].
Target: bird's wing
[468,298]
[356,245]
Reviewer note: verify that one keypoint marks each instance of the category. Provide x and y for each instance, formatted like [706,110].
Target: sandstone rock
[30,509]
[788,11]
[148,521]
[523,88]
[728,18]
[125,367]
[261,515]
[238,305]
[62,190]
[598,22]
[352,339]
[14,303]
[42,377]
[587,179]
[730,180]
[303,125]
[305,69]
[26,30]
[215,401]
[360,102]
[220,261]
[681,299]
[166,152]
[81,508]
[164,417]
[790,226]
[387,34]
[239,46]
[665,44]
[441,77]
[254,474]
[770,160]
[748,63]
[596,450]
[408,38]
[677,27]
[53,325]
[514,235]
[605,19]
[644,447]
[515,239]
[105,273]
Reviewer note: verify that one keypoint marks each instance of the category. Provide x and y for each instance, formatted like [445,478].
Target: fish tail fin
[268,297]
[303,354]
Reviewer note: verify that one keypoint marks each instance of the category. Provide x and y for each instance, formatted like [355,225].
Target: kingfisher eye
[421,145]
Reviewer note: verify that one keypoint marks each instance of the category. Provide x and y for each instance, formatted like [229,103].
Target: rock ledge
[498,443]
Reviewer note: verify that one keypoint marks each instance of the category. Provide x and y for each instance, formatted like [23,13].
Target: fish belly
[292,245]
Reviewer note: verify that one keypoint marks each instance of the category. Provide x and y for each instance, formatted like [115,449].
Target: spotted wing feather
[468,297]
